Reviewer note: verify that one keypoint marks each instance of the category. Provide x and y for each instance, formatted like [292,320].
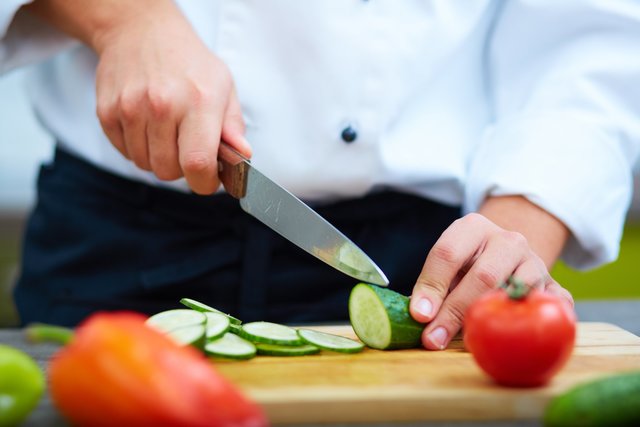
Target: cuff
[568,166]
[25,39]
[8,9]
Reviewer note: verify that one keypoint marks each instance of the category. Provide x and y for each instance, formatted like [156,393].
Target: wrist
[97,22]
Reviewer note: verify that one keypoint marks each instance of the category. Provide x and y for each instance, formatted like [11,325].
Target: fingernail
[438,337]
[424,307]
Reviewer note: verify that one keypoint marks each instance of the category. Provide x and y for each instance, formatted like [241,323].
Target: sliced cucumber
[380,317]
[330,342]
[270,333]
[217,325]
[230,346]
[189,335]
[198,306]
[286,350]
[167,321]
[235,329]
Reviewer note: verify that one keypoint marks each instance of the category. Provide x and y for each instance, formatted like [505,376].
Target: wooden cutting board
[416,385]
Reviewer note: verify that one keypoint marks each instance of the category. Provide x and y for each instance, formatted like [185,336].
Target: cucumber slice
[167,321]
[330,342]
[189,335]
[198,306]
[286,350]
[270,333]
[380,318]
[235,329]
[230,346]
[217,325]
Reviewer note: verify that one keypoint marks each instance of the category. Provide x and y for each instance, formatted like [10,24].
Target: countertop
[625,314]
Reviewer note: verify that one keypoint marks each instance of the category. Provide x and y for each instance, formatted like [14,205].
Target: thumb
[233,126]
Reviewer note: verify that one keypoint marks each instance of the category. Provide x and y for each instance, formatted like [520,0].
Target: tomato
[520,341]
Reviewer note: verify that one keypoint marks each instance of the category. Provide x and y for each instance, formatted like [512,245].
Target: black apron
[97,241]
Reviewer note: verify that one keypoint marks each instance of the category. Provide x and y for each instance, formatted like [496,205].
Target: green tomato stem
[516,289]
[42,332]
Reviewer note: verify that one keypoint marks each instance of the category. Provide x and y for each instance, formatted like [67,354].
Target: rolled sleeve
[8,9]
[25,39]
[564,77]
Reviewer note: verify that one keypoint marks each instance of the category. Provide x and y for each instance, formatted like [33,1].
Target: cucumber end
[369,318]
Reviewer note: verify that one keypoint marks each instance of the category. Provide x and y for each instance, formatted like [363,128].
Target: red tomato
[520,342]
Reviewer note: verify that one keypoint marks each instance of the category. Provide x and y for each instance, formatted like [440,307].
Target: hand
[472,256]
[164,100]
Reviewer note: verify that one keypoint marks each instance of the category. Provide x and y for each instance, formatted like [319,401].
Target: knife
[283,212]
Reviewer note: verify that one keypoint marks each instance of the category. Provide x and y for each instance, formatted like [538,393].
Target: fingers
[166,110]
[134,126]
[198,139]
[554,288]
[503,253]
[162,136]
[233,127]
[159,134]
[108,114]
[471,257]
[113,130]
[453,252]
[534,273]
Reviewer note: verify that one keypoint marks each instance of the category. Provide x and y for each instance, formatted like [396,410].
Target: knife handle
[232,170]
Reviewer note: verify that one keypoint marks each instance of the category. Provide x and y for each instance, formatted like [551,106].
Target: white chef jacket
[450,99]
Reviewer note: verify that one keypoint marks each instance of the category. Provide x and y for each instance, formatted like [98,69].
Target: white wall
[23,145]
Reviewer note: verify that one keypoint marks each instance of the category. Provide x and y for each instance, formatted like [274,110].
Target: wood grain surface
[416,385]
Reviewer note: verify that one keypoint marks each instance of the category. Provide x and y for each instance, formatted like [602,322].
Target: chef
[457,143]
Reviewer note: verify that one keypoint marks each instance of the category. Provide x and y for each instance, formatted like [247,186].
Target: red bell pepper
[117,371]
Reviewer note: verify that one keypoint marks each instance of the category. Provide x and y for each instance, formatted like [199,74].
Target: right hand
[164,100]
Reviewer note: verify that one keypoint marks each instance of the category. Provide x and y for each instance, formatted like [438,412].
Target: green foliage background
[620,279]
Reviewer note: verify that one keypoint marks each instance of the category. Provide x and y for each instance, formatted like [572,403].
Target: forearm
[545,233]
[93,21]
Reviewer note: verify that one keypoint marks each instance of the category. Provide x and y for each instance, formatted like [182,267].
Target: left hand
[473,256]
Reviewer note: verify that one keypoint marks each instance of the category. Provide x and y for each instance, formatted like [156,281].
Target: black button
[349,134]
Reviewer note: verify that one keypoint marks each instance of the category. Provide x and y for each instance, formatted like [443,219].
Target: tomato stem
[516,289]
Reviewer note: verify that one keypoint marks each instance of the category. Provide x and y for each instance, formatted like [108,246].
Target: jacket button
[349,134]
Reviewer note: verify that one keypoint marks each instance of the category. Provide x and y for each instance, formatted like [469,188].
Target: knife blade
[284,213]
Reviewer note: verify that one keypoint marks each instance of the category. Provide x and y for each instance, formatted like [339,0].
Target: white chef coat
[452,100]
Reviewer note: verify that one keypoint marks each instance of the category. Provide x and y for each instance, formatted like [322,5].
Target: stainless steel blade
[293,219]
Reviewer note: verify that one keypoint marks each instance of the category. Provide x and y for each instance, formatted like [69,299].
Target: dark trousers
[96,241]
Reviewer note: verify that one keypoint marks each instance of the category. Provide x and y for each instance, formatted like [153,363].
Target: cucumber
[186,327]
[270,333]
[286,350]
[380,318]
[230,346]
[330,342]
[198,306]
[217,325]
[611,401]
[193,335]
[235,329]
[167,321]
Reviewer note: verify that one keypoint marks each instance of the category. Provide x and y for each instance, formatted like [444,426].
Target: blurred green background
[618,280]
[10,232]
